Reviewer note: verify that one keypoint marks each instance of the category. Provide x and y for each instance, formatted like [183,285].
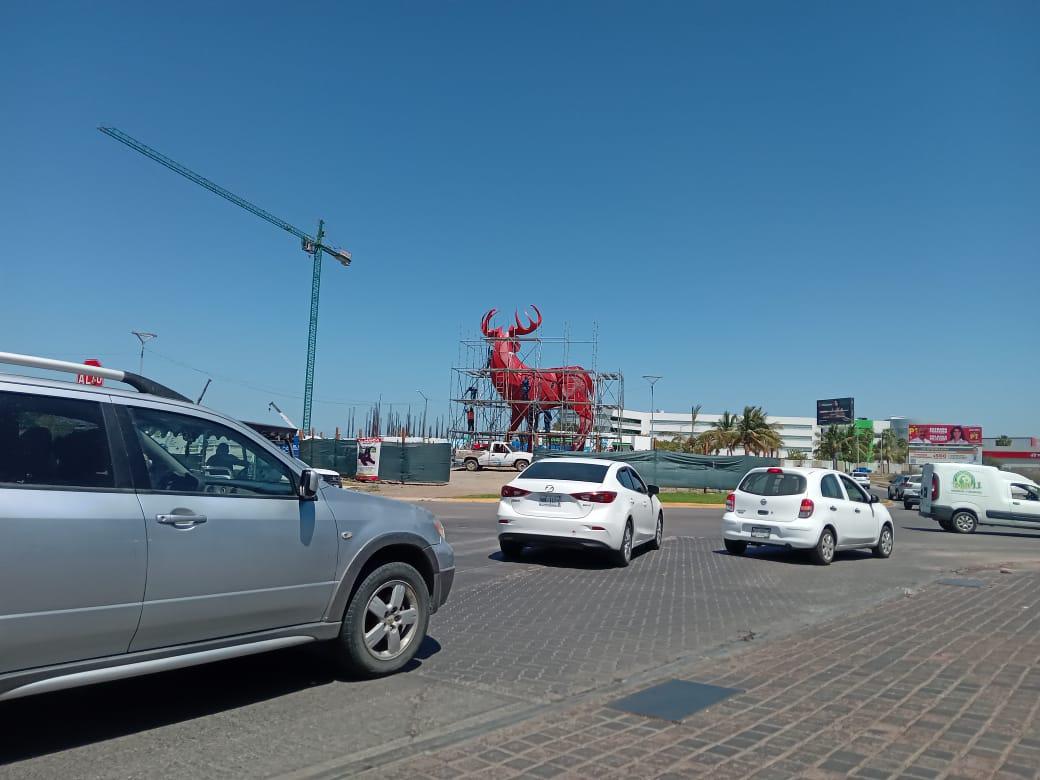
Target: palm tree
[836,443]
[724,432]
[755,433]
[892,447]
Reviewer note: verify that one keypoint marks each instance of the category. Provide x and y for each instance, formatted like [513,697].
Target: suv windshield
[561,469]
[765,483]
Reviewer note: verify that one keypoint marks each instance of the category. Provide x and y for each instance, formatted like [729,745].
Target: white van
[961,497]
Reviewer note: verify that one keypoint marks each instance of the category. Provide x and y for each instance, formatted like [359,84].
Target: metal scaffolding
[473,388]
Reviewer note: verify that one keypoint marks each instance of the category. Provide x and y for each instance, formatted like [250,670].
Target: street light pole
[652,379]
[143,337]
[426,404]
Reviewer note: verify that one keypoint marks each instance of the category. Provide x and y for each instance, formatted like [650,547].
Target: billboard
[368,459]
[945,435]
[835,411]
[919,454]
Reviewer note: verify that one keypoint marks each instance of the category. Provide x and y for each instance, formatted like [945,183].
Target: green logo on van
[965,480]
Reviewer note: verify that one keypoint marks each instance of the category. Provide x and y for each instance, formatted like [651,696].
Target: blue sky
[766,203]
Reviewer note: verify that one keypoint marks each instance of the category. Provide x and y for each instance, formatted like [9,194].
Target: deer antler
[484,323]
[532,325]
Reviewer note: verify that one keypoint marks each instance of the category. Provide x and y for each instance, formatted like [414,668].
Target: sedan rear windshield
[561,469]
[764,483]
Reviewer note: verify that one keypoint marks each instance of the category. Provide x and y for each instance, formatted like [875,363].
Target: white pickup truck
[497,456]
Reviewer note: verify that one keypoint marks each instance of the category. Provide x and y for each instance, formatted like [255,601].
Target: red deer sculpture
[570,387]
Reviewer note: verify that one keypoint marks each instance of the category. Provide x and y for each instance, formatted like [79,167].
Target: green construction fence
[410,462]
[678,469]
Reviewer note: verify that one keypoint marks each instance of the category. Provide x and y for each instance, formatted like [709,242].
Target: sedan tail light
[596,497]
[806,509]
[508,491]
[731,502]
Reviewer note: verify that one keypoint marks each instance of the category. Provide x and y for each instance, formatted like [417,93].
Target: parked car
[140,532]
[895,486]
[580,502]
[862,478]
[961,497]
[911,492]
[819,510]
[497,456]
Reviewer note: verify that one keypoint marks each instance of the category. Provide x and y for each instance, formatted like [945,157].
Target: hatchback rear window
[561,469]
[764,483]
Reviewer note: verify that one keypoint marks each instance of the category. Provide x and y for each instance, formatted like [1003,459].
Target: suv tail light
[508,491]
[731,502]
[596,497]
[935,487]
[806,509]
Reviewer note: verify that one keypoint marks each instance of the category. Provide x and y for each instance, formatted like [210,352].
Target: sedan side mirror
[874,499]
[652,490]
[310,481]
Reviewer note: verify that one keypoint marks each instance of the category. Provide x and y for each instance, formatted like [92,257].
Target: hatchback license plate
[549,499]
[758,532]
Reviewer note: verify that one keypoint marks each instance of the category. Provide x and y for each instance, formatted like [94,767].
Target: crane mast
[312,245]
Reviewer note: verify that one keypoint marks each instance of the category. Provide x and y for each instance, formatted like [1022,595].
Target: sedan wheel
[624,555]
[659,534]
[823,552]
[885,543]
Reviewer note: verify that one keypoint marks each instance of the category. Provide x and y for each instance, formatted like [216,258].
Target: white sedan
[819,510]
[583,503]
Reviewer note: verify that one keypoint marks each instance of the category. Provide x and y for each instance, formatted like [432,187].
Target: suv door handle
[184,520]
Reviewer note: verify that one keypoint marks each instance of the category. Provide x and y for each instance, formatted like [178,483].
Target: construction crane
[312,245]
[274,407]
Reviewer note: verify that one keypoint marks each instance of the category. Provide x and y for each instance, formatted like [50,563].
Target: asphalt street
[515,640]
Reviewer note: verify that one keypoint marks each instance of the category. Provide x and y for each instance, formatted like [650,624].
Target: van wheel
[964,522]
[385,621]
[823,553]
[472,465]
[946,526]
[885,543]
[735,547]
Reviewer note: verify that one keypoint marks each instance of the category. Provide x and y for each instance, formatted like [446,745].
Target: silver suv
[140,532]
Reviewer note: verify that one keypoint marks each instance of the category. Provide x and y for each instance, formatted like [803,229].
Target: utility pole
[653,380]
[143,337]
[426,404]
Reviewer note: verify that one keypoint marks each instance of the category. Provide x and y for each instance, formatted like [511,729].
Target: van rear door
[927,475]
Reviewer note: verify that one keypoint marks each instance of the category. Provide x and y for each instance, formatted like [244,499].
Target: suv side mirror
[873,499]
[652,490]
[310,481]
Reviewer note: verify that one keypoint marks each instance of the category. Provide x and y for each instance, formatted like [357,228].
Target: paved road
[515,640]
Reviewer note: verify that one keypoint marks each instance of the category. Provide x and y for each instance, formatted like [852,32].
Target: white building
[796,433]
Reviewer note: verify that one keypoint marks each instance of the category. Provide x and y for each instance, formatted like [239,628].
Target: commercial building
[633,427]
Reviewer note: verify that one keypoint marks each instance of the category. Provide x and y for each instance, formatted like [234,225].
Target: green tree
[724,433]
[798,456]
[834,444]
[755,434]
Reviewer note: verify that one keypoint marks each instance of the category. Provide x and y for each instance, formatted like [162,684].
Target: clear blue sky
[765,202]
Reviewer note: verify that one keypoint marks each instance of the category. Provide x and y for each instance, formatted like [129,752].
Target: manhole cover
[962,582]
[673,700]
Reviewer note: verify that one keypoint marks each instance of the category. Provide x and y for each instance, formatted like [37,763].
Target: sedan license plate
[757,532]
[549,499]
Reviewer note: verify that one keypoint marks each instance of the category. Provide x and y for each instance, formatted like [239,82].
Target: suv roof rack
[140,383]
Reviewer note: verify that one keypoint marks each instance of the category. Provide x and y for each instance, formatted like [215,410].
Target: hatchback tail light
[806,509]
[596,497]
[508,491]
[935,487]
[731,502]
[774,470]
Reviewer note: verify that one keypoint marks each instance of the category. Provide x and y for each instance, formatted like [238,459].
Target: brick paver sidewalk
[941,683]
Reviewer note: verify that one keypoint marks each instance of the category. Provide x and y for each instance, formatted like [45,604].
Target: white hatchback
[580,502]
[811,509]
